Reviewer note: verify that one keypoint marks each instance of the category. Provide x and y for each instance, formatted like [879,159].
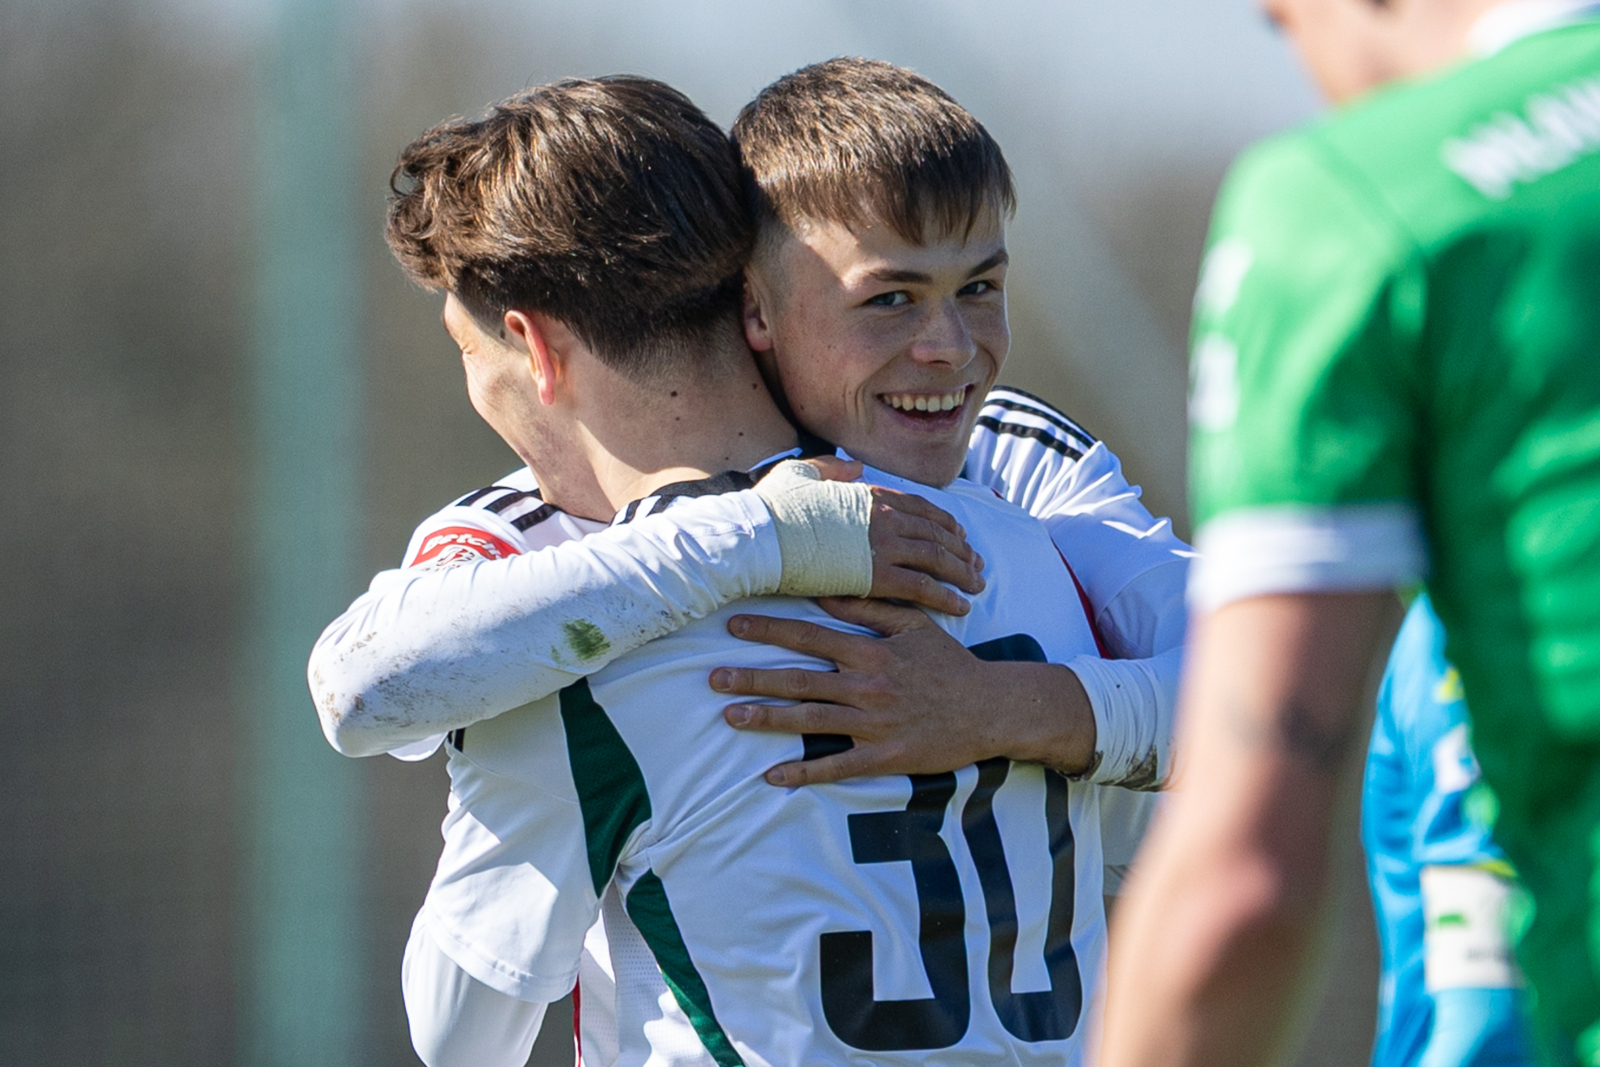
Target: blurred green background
[223,408]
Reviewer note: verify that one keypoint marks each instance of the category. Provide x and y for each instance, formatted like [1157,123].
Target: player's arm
[1302,460]
[1131,564]
[907,700]
[424,651]
[1218,926]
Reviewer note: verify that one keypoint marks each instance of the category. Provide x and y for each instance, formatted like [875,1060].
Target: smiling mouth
[926,405]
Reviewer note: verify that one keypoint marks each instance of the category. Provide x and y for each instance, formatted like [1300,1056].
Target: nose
[944,337]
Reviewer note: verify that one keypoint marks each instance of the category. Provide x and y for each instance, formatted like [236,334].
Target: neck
[626,438]
[1432,34]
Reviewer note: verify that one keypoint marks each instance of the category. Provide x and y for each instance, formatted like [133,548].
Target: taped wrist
[823,531]
[1133,709]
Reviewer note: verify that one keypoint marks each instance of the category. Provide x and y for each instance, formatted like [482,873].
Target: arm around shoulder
[427,651]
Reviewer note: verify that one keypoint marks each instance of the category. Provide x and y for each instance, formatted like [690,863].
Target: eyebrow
[917,277]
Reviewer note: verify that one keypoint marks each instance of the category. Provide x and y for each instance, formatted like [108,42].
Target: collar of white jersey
[1507,23]
[728,481]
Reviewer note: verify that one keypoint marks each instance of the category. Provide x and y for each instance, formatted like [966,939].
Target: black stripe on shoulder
[474,497]
[535,517]
[1035,433]
[716,485]
[1032,405]
[499,506]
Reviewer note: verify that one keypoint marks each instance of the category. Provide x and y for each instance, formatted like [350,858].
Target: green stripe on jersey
[611,790]
[652,914]
[615,802]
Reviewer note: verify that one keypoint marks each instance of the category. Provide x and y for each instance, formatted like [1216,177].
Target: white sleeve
[1133,570]
[1132,566]
[456,1020]
[426,651]
[1135,705]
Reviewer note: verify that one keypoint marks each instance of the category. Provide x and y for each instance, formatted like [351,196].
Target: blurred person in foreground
[1450,994]
[1394,373]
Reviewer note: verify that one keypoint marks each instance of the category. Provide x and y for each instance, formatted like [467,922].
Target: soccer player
[1450,994]
[422,654]
[1394,368]
[783,922]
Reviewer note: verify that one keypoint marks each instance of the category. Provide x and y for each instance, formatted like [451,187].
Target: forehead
[856,253]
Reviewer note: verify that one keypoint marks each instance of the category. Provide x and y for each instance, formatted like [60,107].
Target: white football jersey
[954,918]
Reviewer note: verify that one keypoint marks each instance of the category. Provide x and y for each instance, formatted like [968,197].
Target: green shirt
[1397,369]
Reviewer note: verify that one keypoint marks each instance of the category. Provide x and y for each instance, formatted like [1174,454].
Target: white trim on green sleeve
[1302,549]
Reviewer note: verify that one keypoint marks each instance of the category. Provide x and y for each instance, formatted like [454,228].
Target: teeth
[924,402]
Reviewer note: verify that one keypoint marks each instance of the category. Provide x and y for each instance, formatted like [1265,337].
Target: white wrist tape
[823,531]
[1465,941]
[1134,702]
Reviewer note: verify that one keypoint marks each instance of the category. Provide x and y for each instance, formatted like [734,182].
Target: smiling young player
[952,917]
[460,647]
[421,654]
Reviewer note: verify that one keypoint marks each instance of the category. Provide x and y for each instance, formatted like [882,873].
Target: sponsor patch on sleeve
[453,546]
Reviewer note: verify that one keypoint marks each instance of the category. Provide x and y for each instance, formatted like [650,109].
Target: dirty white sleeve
[456,1020]
[1135,716]
[424,652]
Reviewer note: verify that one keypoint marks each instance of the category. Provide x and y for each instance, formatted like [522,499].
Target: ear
[529,334]
[757,312]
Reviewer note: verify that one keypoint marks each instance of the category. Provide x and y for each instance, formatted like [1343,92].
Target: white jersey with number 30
[949,919]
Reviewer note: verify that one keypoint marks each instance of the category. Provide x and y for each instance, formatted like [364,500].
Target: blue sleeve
[1478,1028]
[1433,715]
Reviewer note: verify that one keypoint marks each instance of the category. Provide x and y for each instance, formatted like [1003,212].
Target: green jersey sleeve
[1306,324]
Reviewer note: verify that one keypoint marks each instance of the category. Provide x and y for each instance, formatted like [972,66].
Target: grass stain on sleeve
[585,639]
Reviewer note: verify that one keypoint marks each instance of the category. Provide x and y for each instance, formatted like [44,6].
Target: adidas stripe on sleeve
[1130,565]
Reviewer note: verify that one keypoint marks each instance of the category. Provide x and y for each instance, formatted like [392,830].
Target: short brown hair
[613,205]
[853,140]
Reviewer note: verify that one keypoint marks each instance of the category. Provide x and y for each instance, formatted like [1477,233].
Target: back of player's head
[613,205]
[853,141]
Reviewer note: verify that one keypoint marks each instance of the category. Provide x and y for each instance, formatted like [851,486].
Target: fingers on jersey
[858,762]
[916,546]
[880,615]
[825,642]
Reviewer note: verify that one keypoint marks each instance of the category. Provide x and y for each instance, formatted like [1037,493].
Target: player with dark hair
[626,793]
[1394,373]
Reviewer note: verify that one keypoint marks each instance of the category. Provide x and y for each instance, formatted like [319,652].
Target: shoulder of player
[493,522]
[1432,158]
[1012,415]
[513,499]
[669,496]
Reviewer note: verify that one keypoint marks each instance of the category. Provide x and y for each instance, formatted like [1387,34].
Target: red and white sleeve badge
[454,546]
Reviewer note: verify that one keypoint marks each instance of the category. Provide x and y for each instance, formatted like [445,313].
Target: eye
[979,288]
[889,300]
